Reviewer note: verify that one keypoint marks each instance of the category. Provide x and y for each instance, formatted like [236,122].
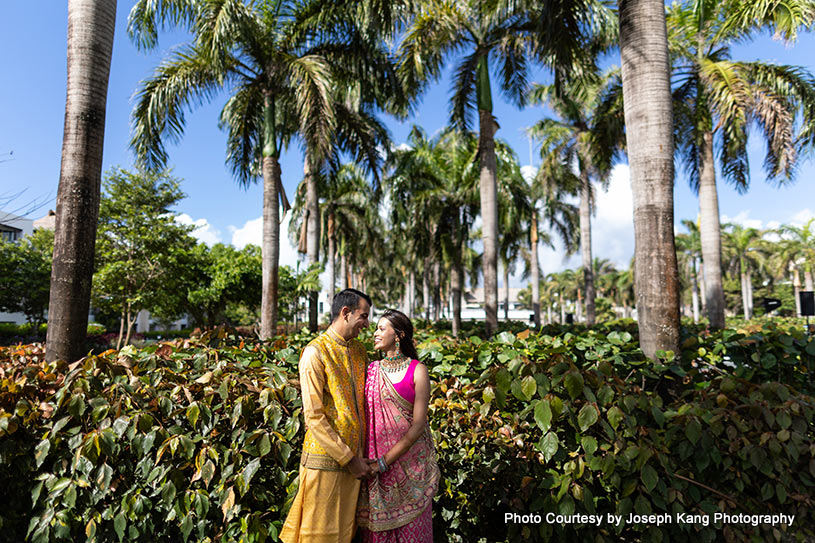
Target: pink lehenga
[395,506]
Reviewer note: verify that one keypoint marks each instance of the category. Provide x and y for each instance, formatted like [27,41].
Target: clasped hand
[363,468]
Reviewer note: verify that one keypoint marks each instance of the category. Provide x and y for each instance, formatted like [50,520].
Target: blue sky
[32,101]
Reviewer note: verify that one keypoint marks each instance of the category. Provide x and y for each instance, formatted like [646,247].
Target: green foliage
[197,439]
[141,250]
[159,444]
[25,275]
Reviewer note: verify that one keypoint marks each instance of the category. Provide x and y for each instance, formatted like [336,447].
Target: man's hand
[359,468]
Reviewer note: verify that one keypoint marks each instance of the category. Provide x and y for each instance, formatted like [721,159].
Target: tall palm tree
[481,35]
[91,26]
[280,88]
[346,197]
[719,100]
[798,242]
[553,184]
[647,105]
[514,212]
[586,133]
[432,191]
[364,81]
[689,253]
[742,247]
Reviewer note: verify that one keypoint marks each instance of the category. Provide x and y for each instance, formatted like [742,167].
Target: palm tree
[364,80]
[90,46]
[432,192]
[514,212]
[506,37]
[798,243]
[742,247]
[586,134]
[552,185]
[647,105]
[344,204]
[280,88]
[689,254]
[718,100]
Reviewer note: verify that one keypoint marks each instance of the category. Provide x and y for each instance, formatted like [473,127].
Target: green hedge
[198,439]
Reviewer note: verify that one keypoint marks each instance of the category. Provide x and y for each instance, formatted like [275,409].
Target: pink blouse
[406,387]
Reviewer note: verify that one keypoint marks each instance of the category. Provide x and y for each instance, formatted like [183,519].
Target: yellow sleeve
[312,384]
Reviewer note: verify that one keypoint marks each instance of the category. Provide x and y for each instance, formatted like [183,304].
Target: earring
[397,344]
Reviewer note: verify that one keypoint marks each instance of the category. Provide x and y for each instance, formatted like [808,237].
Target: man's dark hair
[349,298]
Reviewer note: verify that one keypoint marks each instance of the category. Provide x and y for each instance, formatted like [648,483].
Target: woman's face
[385,335]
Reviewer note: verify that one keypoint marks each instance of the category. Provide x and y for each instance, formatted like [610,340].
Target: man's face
[358,318]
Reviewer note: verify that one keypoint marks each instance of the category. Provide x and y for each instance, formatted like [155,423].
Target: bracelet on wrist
[383,467]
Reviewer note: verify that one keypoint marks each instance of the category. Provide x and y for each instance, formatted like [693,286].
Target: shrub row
[198,439]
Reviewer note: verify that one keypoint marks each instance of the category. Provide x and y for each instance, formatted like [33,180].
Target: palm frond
[188,79]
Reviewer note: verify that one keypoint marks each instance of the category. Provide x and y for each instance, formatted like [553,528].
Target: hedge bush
[198,439]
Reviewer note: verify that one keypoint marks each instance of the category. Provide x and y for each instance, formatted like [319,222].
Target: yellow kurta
[332,380]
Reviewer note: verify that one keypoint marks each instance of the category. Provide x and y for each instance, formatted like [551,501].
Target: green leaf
[207,472]
[587,417]
[41,451]
[503,380]
[192,414]
[265,445]
[649,477]
[615,415]
[543,415]
[574,383]
[528,387]
[589,444]
[119,524]
[488,395]
[693,430]
[548,445]
[186,526]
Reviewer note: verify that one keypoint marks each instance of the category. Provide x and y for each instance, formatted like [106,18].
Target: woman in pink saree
[395,504]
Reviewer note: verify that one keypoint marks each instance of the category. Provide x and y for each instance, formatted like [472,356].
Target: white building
[14,228]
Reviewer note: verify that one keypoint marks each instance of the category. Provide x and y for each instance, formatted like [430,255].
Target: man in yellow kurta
[332,380]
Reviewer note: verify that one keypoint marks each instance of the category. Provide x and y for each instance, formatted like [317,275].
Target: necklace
[396,363]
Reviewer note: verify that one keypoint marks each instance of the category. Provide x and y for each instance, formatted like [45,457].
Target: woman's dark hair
[404,331]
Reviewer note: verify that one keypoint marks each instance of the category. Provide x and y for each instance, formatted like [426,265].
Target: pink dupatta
[394,498]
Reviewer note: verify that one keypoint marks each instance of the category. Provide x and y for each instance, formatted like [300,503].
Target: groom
[332,379]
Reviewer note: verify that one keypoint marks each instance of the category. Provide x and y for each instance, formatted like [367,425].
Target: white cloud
[743,219]
[613,224]
[802,217]
[203,231]
[252,233]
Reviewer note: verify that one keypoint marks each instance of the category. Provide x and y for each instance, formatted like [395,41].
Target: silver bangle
[383,467]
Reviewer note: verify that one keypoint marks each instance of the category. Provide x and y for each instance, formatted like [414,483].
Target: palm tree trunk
[796,287]
[585,245]
[332,260]
[436,290]
[506,291]
[694,290]
[702,286]
[535,265]
[456,282]
[426,291]
[343,269]
[489,216]
[744,302]
[312,235]
[412,298]
[647,106]
[91,27]
[270,252]
[808,278]
[562,310]
[710,233]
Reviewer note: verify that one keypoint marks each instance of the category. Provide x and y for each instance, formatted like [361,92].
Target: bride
[395,504]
